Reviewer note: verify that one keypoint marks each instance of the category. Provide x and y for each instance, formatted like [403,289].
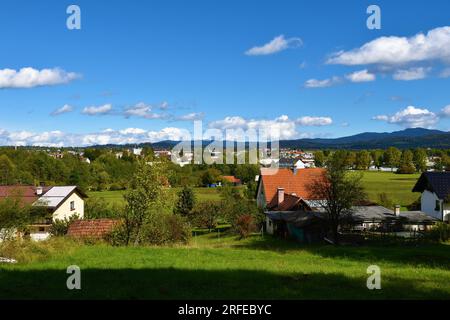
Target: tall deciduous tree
[146,198]
[319,159]
[392,157]
[340,190]
[6,170]
[406,162]
[362,160]
[420,159]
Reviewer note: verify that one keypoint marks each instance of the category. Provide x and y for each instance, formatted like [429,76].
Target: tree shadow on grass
[428,255]
[170,283]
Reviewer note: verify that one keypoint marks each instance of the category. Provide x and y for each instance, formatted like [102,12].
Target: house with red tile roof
[287,190]
[232,180]
[61,202]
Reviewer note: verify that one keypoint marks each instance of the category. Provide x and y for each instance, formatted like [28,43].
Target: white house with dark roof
[435,189]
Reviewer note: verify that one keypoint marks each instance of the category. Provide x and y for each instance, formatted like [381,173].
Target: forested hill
[404,139]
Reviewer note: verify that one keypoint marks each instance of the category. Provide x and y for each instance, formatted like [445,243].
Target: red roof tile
[231,179]
[27,194]
[297,184]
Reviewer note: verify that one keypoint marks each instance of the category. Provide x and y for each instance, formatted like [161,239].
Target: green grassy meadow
[397,186]
[217,266]
[202,194]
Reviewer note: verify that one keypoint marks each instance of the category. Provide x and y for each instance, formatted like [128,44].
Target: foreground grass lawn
[214,267]
[397,186]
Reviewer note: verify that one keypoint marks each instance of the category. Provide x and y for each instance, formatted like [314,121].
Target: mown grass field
[202,194]
[221,267]
[396,186]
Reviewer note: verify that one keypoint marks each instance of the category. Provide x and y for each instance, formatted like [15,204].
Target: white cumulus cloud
[30,77]
[143,110]
[394,50]
[190,116]
[361,76]
[275,45]
[411,117]
[64,109]
[98,110]
[314,121]
[314,83]
[109,136]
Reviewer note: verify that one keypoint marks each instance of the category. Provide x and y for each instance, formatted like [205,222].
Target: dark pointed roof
[437,182]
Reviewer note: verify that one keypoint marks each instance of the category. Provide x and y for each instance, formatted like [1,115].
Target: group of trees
[105,171]
[203,174]
[406,161]
[152,216]
[23,166]
[235,208]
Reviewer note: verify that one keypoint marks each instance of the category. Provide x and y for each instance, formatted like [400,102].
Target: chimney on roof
[280,195]
[39,191]
[397,210]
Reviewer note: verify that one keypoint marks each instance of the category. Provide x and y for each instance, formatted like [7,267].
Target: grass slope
[214,267]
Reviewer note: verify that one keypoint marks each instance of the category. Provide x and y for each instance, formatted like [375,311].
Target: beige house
[62,202]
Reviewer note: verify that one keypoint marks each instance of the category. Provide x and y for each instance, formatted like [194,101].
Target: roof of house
[51,197]
[437,182]
[296,184]
[290,202]
[28,194]
[417,217]
[57,195]
[371,213]
[231,179]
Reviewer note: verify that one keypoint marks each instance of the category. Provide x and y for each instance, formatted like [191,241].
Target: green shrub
[166,229]
[61,227]
[206,214]
[117,237]
[162,229]
[439,232]
[245,225]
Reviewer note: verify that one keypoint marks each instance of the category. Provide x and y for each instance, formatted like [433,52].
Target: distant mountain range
[408,138]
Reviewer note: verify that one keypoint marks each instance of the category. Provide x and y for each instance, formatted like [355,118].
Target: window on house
[41,229]
[72,205]
[438,206]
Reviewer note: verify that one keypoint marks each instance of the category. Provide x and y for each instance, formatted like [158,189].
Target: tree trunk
[336,236]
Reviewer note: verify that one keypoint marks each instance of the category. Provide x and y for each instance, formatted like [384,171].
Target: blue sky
[142,70]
